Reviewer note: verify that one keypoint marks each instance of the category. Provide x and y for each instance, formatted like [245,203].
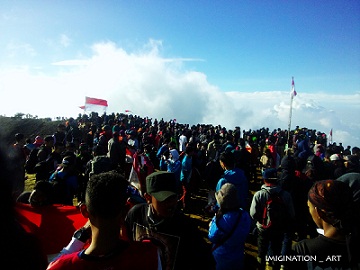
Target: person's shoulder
[138,209]
[67,261]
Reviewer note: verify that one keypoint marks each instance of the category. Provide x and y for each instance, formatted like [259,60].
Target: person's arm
[77,242]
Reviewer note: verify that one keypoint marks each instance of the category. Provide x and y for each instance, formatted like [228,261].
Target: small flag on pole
[331,132]
[293,91]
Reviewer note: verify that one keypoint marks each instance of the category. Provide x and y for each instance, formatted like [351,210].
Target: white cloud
[149,85]
[65,40]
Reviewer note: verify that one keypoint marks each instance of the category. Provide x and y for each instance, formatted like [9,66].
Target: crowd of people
[133,179]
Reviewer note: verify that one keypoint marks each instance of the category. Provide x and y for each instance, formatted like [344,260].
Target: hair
[19,137]
[335,200]
[189,149]
[227,158]
[44,186]
[106,194]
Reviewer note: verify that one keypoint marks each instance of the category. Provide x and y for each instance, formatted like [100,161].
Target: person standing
[272,233]
[229,229]
[183,140]
[159,220]
[235,176]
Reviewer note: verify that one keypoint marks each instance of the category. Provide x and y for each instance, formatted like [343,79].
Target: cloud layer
[150,85]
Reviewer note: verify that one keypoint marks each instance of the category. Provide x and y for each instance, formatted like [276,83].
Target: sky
[227,63]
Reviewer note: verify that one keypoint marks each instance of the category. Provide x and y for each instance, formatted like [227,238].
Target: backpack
[275,214]
[100,164]
[31,161]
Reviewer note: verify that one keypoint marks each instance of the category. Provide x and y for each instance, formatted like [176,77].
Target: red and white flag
[293,91]
[331,132]
[94,104]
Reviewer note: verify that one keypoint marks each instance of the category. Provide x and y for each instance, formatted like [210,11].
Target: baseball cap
[269,174]
[161,185]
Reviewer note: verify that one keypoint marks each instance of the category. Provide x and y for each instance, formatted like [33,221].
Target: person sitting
[229,229]
[104,207]
[42,194]
[65,181]
[330,204]
[160,221]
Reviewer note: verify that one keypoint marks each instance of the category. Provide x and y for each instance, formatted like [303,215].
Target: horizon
[198,62]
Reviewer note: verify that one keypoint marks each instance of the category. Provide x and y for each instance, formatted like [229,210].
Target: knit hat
[227,197]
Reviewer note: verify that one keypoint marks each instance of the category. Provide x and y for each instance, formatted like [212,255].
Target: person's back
[234,176]
[105,207]
[229,229]
[65,181]
[273,211]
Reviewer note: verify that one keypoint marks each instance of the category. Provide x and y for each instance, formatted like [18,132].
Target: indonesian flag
[94,104]
[54,225]
[293,91]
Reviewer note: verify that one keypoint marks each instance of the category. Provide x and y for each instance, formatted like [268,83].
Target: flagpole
[290,114]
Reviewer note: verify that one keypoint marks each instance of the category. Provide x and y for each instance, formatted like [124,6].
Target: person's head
[83,147]
[105,197]
[189,150]
[174,154]
[49,141]
[227,160]
[330,201]
[68,162]
[172,145]
[336,159]
[38,141]
[19,137]
[161,193]
[227,198]
[270,175]
[352,162]
[61,127]
[355,151]
[42,194]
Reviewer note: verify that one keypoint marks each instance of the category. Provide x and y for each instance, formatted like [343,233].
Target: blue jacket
[230,254]
[236,177]
[186,169]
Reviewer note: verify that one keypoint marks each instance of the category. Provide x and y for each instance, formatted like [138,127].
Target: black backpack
[275,214]
[31,161]
[60,188]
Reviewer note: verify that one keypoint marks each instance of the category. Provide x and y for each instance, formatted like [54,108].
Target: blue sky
[219,62]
